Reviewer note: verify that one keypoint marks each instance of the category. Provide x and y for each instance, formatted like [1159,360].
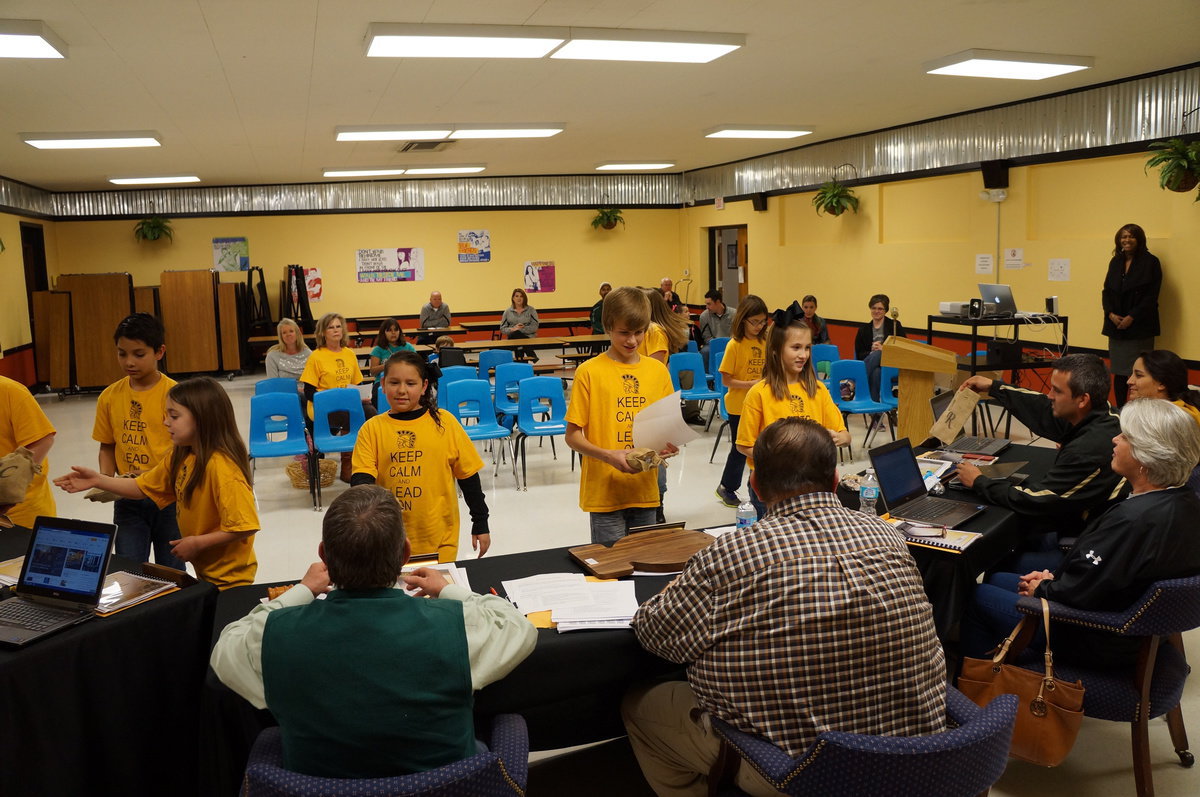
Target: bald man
[434,315]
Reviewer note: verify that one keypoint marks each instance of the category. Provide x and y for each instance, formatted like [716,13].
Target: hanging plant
[836,198]
[607,218]
[153,228]
[1178,164]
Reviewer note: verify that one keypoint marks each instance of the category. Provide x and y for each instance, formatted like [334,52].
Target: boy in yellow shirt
[22,423]
[608,391]
[129,428]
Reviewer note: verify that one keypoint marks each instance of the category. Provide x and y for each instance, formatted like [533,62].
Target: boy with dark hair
[129,428]
[371,682]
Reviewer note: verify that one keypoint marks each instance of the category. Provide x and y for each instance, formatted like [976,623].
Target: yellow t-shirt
[419,464]
[761,409]
[743,360]
[132,420]
[22,422]
[605,397]
[223,501]
[654,341]
[1189,409]
[325,369]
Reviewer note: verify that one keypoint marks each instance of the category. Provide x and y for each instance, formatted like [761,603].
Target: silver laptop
[904,492]
[1000,296]
[965,444]
[61,579]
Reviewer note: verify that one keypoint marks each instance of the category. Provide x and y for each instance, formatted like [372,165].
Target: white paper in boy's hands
[660,424]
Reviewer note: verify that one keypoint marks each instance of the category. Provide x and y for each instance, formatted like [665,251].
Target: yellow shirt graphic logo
[135,409]
[796,404]
[406,439]
[630,384]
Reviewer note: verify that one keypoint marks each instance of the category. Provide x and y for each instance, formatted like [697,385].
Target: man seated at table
[1081,481]
[715,321]
[371,682]
[813,619]
[435,314]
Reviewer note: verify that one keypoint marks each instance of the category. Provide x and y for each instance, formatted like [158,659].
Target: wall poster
[474,246]
[231,254]
[539,276]
[391,265]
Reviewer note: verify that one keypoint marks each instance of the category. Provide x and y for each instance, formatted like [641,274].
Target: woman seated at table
[519,321]
[1150,536]
[868,343]
[1161,374]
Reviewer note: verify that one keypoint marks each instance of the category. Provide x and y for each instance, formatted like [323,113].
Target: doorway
[33,255]
[728,262]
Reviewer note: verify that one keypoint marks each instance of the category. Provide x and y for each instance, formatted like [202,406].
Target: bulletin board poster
[231,254]
[391,265]
[312,281]
[474,246]
[539,276]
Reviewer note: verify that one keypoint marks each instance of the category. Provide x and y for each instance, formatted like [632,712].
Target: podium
[918,362]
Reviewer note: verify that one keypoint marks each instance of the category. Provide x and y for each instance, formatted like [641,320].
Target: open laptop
[904,492]
[61,579]
[969,444]
[1000,296]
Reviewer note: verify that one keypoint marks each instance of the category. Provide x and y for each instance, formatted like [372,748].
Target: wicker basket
[298,473]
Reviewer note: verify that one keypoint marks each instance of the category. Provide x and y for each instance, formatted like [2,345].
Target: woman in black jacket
[1130,299]
[868,342]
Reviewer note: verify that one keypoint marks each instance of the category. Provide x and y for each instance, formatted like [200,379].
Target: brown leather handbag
[1050,709]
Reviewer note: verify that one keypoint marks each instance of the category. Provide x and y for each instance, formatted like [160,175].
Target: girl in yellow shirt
[668,331]
[207,475]
[789,388]
[740,370]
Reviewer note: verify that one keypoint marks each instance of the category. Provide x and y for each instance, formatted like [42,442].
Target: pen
[493,591]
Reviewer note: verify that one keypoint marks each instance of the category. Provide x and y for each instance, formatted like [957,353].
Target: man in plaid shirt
[813,619]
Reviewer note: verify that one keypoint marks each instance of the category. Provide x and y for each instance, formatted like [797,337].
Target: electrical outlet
[686,272]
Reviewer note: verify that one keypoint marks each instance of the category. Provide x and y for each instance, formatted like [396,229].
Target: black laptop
[904,492]
[61,579]
[965,444]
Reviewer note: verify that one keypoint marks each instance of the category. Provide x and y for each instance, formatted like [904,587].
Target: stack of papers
[10,571]
[575,603]
[452,573]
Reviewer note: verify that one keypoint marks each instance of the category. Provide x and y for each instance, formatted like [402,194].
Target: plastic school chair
[508,377]
[539,396]
[473,398]
[822,355]
[273,413]
[278,384]
[338,399]
[453,374]
[683,362]
[855,371]
[490,358]
[716,353]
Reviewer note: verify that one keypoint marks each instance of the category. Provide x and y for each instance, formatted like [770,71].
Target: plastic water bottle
[747,516]
[868,493]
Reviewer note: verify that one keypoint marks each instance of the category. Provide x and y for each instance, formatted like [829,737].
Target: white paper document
[546,591]
[661,423]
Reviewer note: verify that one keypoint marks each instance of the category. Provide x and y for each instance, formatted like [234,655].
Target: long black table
[109,706]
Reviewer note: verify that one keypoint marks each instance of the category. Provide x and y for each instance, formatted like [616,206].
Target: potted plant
[835,199]
[607,218]
[1178,164]
[153,228]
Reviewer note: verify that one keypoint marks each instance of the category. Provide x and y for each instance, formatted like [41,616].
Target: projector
[954,308]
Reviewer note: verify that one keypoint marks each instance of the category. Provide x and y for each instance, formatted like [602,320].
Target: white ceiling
[249,91]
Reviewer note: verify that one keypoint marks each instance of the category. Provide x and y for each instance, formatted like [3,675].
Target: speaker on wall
[758,201]
[995,174]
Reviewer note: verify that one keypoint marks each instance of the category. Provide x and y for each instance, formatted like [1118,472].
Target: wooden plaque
[658,551]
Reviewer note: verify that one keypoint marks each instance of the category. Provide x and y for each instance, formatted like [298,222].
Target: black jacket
[1079,483]
[1135,294]
[862,338]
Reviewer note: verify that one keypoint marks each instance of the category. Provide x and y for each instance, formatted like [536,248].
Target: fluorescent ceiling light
[380,172]
[29,38]
[508,131]
[139,138]
[181,178]
[612,44]
[388,40]
[757,131]
[386,133]
[1005,64]
[627,166]
[465,169]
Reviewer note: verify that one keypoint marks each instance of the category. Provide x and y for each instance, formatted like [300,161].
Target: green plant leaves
[152,229]
[835,199]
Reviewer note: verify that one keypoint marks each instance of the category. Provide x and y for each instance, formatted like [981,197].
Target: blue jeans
[141,524]
[759,506]
[992,615]
[735,462]
[872,361]
[608,527]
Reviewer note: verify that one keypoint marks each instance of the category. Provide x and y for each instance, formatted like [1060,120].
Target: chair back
[278,384]
[1170,606]
[686,361]
[490,358]
[469,398]
[692,346]
[822,355]
[453,374]
[889,381]
[449,357]
[338,399]
[716,353]
[271,413]
[508,377]
[541,395]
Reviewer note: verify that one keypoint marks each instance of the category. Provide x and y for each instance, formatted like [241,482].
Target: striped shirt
[814,619]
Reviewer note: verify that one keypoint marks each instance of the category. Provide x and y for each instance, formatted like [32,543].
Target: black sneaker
[728,497]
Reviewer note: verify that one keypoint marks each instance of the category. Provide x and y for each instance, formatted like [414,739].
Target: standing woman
[519,321]
[1130,299]
[287,358]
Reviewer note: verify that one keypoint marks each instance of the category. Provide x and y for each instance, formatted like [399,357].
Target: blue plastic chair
[861,404]
[278,384]
[683,362]
[272,413]
[453,374]
[723,414]
[962,762]
[692,346]
[716,353]
[501,771]
[822,355]
[490,358]
[889,383]
[337,399]
[508,376]
[539,396]
[474,396]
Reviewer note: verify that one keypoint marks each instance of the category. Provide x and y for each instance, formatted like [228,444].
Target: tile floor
[547,515]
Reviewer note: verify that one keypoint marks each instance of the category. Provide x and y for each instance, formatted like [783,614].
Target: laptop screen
[67,559]
[896,469]
[999,295]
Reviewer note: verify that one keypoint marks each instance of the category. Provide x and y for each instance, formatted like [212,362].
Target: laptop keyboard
[923,509]
[29,615]
[969,444]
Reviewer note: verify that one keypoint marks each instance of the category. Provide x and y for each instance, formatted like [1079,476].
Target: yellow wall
[14,308]
[583,256]
[916,241]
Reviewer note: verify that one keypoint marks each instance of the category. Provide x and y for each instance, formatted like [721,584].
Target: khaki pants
[674,743]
